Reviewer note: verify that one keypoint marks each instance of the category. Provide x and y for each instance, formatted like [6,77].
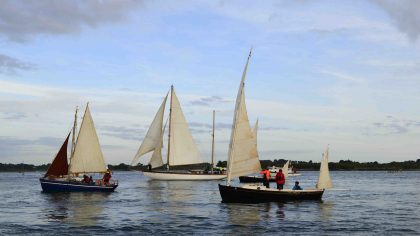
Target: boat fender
[98,182]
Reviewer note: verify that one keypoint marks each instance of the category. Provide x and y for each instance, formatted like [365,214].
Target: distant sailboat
[86,157]
[182,149]
[243,159]
[324,180]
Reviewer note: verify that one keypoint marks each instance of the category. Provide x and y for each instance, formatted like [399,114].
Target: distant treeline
[341,165]
[300,165]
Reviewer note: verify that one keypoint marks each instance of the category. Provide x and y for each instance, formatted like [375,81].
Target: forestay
[87,157]
[183,149]
[324,181]
[153,139]
[243,156]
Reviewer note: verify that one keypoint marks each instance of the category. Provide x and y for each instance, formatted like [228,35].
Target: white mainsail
[243,156]
[153,139]
[324,181]
[87,156]
[285,169]
[182,148]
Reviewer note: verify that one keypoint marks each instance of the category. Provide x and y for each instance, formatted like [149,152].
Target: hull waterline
[182,176]
[71,186]
[231,194]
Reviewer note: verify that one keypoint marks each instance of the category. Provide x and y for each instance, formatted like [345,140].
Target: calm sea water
[363,203]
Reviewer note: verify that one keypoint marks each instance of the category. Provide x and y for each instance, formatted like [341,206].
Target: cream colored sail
[182,148]
[324,181]
[255,136]
[156,159]
[243,156]
[285,169]
[87,156]
[153,139]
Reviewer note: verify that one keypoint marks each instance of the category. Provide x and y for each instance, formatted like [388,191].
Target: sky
[343,73]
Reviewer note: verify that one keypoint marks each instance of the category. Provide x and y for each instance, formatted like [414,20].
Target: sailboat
[86,157]
[243,159]
[182,150]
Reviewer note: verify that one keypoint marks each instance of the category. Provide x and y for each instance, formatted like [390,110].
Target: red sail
[59,166]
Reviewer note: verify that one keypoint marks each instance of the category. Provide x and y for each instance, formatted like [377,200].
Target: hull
[156,175]
[258,194]
[71,186]
[253,179]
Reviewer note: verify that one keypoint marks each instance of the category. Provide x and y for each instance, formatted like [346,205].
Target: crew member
[297,187]
[266,177]
[280,179]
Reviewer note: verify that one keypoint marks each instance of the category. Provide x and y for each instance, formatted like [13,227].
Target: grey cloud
[210,126]
[11,147]
[21,20]
[207,101]
[13,115]
[393,125]
[127,133]
[405,14]
[10,65]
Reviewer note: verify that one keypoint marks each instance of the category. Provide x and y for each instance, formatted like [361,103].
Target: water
[365,203]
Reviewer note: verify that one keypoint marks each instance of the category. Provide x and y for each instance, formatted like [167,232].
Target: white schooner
[182,150]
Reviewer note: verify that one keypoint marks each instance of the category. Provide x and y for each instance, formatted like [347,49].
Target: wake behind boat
[243,159]
[182,149]
[86,158]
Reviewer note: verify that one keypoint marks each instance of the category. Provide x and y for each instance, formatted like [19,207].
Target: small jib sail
[87,156]
[182,150]
[285,169]
[59,166]
[324,181]
[153,139]
[243,155]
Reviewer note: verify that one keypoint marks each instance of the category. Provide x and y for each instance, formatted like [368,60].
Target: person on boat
[149,167]
[90,180]
[297,187]
[266,177]
[106,178]
[85,179]
[280,179]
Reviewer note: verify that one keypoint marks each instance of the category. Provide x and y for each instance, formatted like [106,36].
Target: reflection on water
[142,206]
[82,209]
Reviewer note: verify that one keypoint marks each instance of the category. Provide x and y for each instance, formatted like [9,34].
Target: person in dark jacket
[297,187]
[266,177]
[280,179]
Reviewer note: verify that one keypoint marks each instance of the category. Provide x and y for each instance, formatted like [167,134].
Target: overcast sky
[344,73]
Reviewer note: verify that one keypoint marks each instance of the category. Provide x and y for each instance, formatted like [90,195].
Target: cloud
[405,14]
[207,101]
[122,132]
[10,65]
[393,125]
[23,20]
[14,115]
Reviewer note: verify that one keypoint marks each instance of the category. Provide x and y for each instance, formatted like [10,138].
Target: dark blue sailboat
[86,157]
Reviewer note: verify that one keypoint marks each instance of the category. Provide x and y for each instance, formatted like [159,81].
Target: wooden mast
[212,144]
[73,138]
[169,130]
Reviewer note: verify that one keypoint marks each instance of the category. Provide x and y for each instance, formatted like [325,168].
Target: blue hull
[70,186]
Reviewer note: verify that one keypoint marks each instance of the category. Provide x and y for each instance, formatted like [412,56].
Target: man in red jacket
[280,179]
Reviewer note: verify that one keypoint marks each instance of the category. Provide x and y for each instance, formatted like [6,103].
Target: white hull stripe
[77,185]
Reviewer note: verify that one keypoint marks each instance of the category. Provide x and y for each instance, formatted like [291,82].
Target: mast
[212,144]
[73,138]
[169,130]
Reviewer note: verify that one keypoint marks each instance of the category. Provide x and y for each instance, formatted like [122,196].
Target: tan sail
[255,135]
[285,169]
[87,156]
[243,156]
[153,139]
[156,159]
[324,181]
[182,148]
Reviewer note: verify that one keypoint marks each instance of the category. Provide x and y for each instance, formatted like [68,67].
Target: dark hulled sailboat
[86,157]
